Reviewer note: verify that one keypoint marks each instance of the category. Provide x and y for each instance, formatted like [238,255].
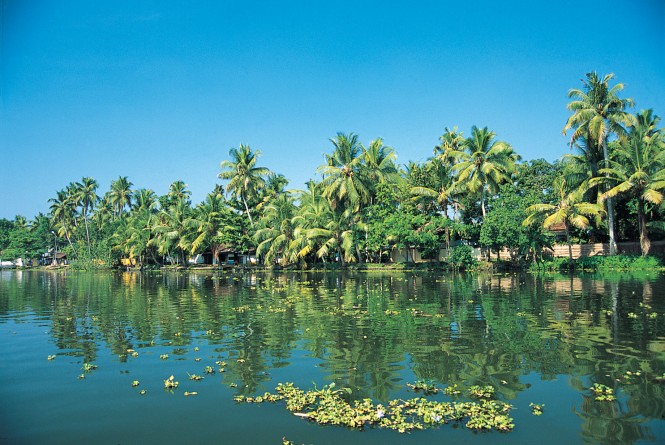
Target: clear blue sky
[161,90]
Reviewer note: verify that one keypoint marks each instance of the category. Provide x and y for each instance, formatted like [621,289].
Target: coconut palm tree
[208,220]
[485,164]
[120,195]
[441,188]
[637,169]
[245,178]
[63,211]
[597,113]
[276,235]
[378,161]
[86,192]
[344,182]
[569,211]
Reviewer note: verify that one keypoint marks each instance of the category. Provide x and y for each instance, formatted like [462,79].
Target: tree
[86,192]
[209,220]
[245,178]
[63,210]
[569,211]
[598,112]
[379,162]
[276,235]
[485,164]
[120,195]
[637,169]
[344,183]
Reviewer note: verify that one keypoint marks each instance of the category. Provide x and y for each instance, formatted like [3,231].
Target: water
[535,339]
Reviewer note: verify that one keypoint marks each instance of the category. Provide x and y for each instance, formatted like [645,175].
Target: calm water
[535,339]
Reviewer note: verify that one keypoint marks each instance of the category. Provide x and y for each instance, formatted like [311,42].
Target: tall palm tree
[378,160]
[637,169]
[569,211]
[208,221]
[441,188]
[86,192]
[144,199]
[63,210]
[485,164]
[120,195]
[245,178]
[598,112]
[276,235]
[344,183]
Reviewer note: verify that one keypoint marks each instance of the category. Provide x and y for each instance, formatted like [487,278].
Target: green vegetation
[328,406]
[474,192]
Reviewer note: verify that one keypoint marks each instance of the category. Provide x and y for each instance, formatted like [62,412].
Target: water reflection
[374,332]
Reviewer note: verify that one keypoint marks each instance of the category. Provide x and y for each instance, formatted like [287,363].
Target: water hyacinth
[328,406]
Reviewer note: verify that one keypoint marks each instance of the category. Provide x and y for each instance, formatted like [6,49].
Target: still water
[535,339]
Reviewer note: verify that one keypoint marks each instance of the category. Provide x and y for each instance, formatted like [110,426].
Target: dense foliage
[473,191]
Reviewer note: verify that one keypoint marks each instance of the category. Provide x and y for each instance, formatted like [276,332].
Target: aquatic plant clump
[331,407]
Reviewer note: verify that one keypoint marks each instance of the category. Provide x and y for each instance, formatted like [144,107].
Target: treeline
[473,188]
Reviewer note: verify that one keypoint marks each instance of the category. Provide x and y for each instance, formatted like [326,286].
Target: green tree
[276,234]
[120,195]
[86,192]
[344,181]
[485,164]
[637,169]
[245,178]
[598,112]
[569,211]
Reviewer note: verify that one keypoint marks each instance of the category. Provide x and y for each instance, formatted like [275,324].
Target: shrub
[461,257]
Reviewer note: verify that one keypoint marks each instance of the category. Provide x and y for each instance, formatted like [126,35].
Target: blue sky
[160,91]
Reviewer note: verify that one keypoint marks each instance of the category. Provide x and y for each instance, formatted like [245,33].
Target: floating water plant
[135,383]
[537,408]
[603,393]
[481,392]
[88,367]
[143,392]
[51,357]
[170,383]
[164,356]
[428,389]
[194,377]
[209,370]
[452,390]
[193,393]
[329,406]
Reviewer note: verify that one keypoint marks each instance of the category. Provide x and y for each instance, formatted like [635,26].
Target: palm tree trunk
[645,243]
[244,201]
[610,203]
[87,233]
[570,248]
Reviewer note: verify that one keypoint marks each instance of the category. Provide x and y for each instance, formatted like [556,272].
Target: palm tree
[638,169]
[276,235]
[63,210]
[569,211]
[86,192]
[245,178]
[208,221]
[451,146]
[485,164]
[440,189]
[599,112]
[120,195]
[144,199]
[344,183]
[379,164]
